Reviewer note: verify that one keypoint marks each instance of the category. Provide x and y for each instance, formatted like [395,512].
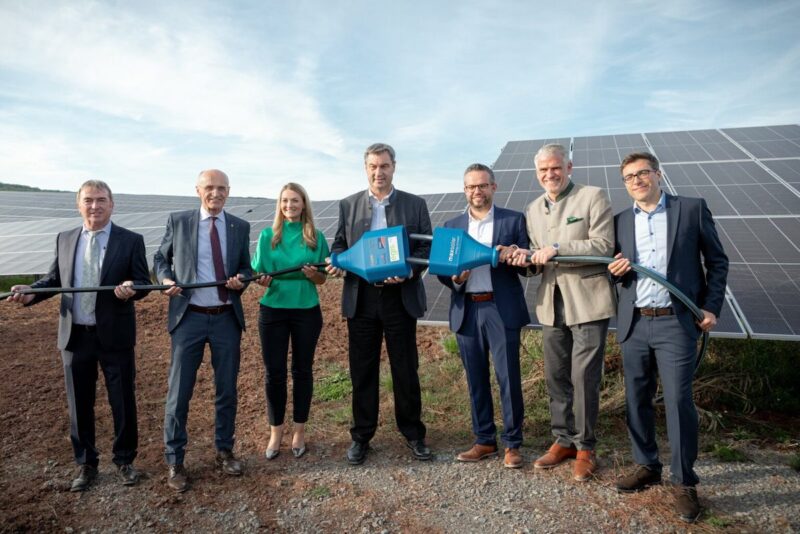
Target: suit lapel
[71,245]
[627,234]
[193,229]
[230,245]
[498,220]
[673,208]
[112,250]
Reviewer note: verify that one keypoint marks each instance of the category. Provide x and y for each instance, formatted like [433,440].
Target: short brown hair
[635,156]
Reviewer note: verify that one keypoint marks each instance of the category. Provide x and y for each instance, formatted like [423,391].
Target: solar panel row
[750,178]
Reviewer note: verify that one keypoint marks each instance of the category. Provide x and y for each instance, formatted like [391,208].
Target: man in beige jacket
[574,303]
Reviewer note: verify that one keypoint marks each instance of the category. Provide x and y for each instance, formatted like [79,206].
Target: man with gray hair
[388,309]
[573,303]
[97,328]
[204,245]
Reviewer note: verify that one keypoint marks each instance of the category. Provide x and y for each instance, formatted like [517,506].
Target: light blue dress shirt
[651,252]
[78,316]
[208,296]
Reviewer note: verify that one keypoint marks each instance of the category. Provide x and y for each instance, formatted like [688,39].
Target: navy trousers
[660,344]
[483,332]
[223,334]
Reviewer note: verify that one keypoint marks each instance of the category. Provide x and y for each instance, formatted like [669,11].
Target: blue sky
[146,94]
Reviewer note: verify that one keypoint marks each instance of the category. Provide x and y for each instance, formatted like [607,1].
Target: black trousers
[380,313]
[275,327]
[80,359]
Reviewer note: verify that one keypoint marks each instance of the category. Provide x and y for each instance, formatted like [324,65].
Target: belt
[655,312]
[481,297]
[210,310]
[84,327]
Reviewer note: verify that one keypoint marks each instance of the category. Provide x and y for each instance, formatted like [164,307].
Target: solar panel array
[750,178]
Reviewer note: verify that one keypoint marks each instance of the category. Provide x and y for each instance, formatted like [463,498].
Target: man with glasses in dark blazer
[676,237]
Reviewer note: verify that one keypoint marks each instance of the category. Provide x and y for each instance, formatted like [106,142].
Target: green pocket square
[571,219]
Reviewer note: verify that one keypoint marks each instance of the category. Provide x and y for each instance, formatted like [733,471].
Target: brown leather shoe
[513,459]
[555,456]
[639,480]
[228,463]
[178,478]
[477,453]
[687,504]
[585,466]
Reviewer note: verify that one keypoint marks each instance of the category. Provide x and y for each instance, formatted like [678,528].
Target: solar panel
[750,178]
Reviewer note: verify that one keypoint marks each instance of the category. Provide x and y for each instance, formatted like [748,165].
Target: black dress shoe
[127,475]
[178,478]
[419,450]
[229,464]
[86,476]
[357,453]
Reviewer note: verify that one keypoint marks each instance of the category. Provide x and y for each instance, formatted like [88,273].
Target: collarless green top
[292,290]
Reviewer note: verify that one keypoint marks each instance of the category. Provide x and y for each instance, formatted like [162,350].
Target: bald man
[203,245]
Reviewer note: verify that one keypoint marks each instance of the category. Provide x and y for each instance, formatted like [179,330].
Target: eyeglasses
[472,188]
[644,173]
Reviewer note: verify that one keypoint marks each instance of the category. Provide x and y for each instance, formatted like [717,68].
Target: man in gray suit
[97,328]
[388,309]
[202,246]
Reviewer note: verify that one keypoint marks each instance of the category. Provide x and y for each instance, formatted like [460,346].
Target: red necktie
[219,264]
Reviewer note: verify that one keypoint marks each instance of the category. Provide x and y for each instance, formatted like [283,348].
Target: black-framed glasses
[644,173]
[472,187]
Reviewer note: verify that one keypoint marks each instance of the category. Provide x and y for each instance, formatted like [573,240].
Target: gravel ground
[391,492]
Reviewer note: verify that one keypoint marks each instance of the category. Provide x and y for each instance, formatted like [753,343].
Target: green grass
[794,462]
[319,492]
[333,386]
[726,453]
[718,522]
[7,281]
[450,344]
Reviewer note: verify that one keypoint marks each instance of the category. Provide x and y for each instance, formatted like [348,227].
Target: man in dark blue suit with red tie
[676,237]
[487,312]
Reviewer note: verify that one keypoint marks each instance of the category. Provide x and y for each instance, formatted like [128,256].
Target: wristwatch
[555,247]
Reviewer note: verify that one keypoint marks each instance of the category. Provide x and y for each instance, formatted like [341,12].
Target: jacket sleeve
[422,249]
[51,279]
[715,261]
[340,238]
[140,274]
[162,260]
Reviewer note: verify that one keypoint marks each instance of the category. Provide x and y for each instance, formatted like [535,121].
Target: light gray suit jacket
[355,217]
[176,259]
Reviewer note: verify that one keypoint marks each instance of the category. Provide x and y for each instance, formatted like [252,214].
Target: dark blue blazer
[691,233]
[509,229]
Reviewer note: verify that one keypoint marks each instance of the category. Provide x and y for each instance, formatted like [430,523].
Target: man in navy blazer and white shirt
[97,328]
[204,245]
[676,237]
[487,312]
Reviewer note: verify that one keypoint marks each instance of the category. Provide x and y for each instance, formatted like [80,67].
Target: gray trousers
[573,368]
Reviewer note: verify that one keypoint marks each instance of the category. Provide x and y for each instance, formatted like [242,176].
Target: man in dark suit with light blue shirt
[97,327]
[487,312]
[389,309]
[204,245]
[676,237]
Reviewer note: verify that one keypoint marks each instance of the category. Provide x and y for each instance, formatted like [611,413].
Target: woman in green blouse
[290,309]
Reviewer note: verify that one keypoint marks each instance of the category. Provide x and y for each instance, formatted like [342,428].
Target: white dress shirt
[482,230]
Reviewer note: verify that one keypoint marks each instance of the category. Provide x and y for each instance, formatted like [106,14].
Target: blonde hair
[306,218]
